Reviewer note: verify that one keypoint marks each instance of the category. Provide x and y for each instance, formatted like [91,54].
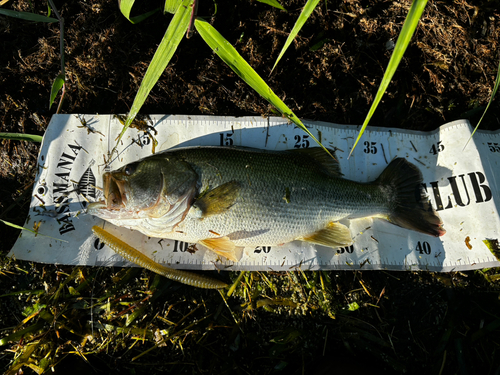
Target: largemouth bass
[228,198]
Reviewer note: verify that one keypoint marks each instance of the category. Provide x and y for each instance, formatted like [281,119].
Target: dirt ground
[330,73]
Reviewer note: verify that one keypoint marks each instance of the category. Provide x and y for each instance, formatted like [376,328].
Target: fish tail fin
[409,206]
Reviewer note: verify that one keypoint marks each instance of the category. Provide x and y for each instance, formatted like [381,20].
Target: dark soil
[330,73]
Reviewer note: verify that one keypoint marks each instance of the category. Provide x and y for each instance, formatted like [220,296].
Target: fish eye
[129,169]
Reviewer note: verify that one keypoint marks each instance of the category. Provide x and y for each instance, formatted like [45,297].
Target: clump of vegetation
[124,320]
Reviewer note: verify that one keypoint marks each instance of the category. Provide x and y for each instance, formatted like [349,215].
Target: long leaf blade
[21,137]
[173,36]
[304,15]
[273,3]
[29,230]
[21,333]
[27,16]
[171,6]
[233,59]
[495,88]
[126,8]
[56,86]
[409,26]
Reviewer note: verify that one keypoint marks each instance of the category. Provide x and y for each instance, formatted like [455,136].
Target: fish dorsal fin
[333,235]
[218,200]
[223,246]
[328,165]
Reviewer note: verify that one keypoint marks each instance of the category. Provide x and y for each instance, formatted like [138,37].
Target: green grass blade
[234,60]
[173,36]
[56,86]
[29,230]
[22,333]
[27,16]
[304,15]
[21,137]
[34,292]
[273,3]
[126,8]
[171,6]
[495,88]
[409,26]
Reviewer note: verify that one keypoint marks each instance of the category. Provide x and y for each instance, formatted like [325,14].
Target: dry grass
[131,319]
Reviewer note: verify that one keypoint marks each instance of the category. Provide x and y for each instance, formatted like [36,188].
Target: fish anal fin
[223,246]
[333,235]
[218,200]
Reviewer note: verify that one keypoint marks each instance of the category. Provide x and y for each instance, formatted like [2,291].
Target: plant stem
[61,47]
[194,12]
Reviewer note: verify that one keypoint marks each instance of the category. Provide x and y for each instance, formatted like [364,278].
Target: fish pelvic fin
[218,200]
[333,235]
[223,246]
[409,206]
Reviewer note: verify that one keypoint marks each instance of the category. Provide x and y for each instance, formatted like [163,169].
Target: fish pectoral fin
[334,235]
[218,200]
[223,246]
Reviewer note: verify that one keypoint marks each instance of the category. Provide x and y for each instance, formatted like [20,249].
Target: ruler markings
[339,137]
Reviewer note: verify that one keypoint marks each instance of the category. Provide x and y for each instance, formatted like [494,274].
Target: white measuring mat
[463,186]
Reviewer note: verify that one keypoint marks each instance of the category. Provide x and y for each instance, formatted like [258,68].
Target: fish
[229,198]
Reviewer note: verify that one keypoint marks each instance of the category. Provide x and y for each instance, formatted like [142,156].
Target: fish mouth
[115,197]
